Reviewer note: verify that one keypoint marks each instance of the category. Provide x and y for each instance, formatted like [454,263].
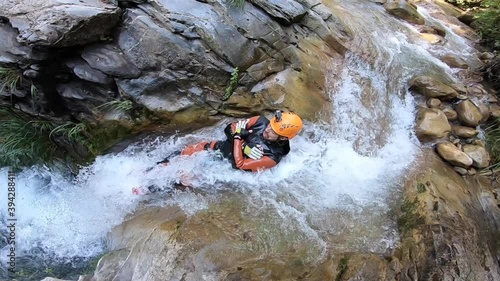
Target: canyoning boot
[141,190]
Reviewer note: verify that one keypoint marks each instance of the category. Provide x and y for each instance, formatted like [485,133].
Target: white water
[345,168]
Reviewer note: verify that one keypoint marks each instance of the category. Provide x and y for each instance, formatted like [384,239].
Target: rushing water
[347,168]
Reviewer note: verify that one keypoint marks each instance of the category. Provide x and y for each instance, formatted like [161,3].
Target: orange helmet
[286,124]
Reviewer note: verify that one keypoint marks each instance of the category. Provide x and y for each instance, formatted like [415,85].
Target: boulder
[432,88]
[450,113]
[433,103]
[404,10]
[453,155]
[468,113]
[464,132]
[431,124]
[478,154]
[61,23]
[453,61]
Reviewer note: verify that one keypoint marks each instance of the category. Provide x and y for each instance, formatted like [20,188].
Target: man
[252,144]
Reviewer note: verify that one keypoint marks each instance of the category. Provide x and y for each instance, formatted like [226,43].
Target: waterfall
[335,187]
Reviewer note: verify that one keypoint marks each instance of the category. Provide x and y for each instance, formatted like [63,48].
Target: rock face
[61,23]
[174,58]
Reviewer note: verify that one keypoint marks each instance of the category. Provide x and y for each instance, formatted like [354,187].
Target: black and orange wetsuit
[232,149]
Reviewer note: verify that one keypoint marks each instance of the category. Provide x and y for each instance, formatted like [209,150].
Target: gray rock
[61,23]
[83,70]
[12,51]
[478,154]
[213,27]
[288,11]
[159,92]
[110,60]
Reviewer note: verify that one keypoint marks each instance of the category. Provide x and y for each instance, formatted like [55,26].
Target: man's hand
[240,125]
[254,153]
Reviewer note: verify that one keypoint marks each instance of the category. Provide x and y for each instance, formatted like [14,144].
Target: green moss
[421,187]
[342,268]
[408,217]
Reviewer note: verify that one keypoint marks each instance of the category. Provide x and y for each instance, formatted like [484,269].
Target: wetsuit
[232,149]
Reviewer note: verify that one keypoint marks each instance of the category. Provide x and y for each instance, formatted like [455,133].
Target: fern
[121,105]
[237,3]
[233,82]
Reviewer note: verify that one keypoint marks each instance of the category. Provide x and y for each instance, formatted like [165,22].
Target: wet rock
[468,113]
[432,88]
[494,110]
[110,60]
[431,124]
[61,23]
[453,155]
[433,39]
[466,18]
[460,170]
[30,73]
[471,171]
[478,154]
[53,279]
[460,88]
[464,132]
[433,103]
[476,90]
[450,113]
[453,61]
[483,109]
[404,10]
[479,143]
[83,70]
[486,56]
[336,35]
[288,11]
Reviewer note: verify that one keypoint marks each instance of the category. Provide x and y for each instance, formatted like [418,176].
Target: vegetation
[118,105]
[24,142]
[237,3]
[493,139]
[10,80]
[235,75]
[408,218]
[487,22]
[342,268]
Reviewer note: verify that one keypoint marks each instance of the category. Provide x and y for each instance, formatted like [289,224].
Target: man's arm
[248,164]
[250,124]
